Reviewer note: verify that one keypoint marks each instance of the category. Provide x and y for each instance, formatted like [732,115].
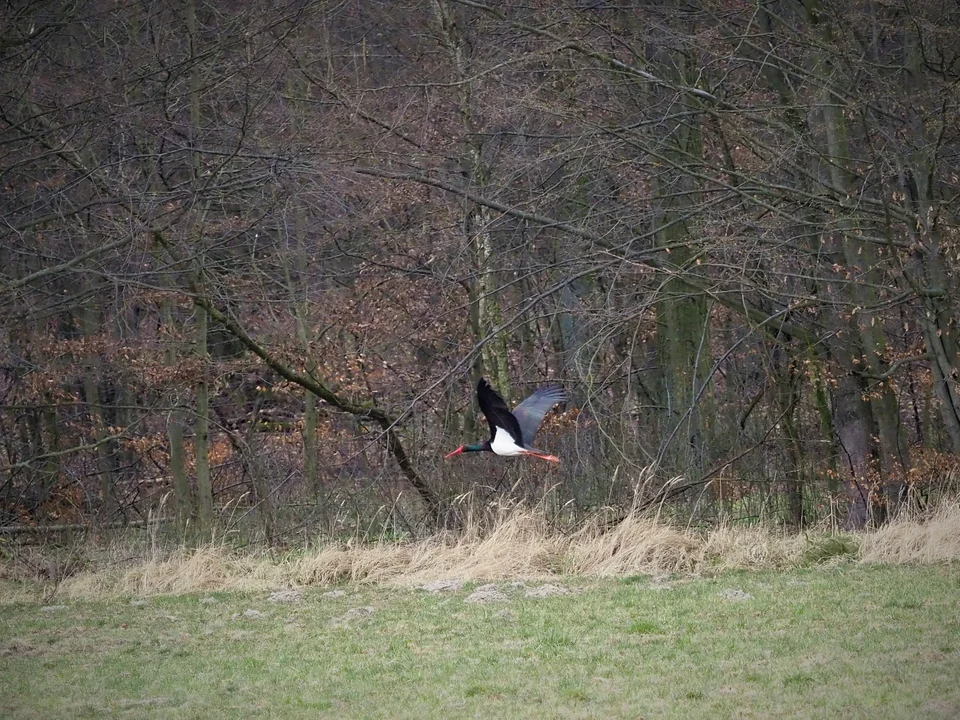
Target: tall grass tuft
[928,538]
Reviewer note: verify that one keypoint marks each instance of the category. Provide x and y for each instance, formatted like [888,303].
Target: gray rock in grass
[546,591]
[486,594]
[438,586]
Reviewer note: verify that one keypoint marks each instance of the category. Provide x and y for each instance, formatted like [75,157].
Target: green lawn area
[851,641]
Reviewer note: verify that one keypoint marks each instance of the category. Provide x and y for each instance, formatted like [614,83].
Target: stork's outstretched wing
[530,412]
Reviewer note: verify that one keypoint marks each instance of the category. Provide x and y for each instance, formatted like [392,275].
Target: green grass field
[852,640]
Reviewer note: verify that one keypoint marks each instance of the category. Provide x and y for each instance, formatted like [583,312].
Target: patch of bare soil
[941,709]
[286,596]
[18,648]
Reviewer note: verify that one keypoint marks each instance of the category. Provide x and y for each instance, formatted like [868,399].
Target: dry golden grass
[637,545]
[733,548]
[935,538]
[514,543]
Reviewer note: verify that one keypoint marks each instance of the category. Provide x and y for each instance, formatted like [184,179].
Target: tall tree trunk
[176,425]
[854,427]
[683,316]
[91,391]
[201,441]
[311,411]
[821,397]
[858,460]
[124,397]
[300,301]
[51,466]
[852,421]
[178,467]
[787,381]
[477,219]
[861,267]
[928,272]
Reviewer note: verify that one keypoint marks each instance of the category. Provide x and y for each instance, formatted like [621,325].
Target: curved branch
[316,386]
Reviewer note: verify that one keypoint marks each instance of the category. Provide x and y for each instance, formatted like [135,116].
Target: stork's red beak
[455,452]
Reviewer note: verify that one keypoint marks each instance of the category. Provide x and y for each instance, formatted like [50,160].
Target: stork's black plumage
[511,433]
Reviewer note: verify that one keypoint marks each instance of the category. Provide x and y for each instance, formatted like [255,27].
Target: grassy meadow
[642,621]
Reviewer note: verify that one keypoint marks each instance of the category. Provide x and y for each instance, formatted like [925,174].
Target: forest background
[255,256]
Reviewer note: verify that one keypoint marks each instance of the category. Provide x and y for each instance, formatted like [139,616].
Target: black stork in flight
[512,432]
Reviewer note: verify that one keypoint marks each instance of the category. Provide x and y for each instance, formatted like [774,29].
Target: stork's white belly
[504,445]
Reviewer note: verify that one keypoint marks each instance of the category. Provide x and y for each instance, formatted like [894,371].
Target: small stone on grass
[286,596]
[546,591]
[442,586]
[485,594]
[250,614]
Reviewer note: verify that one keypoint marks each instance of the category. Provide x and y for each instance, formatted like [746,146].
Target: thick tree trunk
[861,261]
[868,352]
[821,398]
[683,316]
[858,460]
[178,467]
[939,333]
[176,425]
[928,272]
[201,438]
[861,415]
